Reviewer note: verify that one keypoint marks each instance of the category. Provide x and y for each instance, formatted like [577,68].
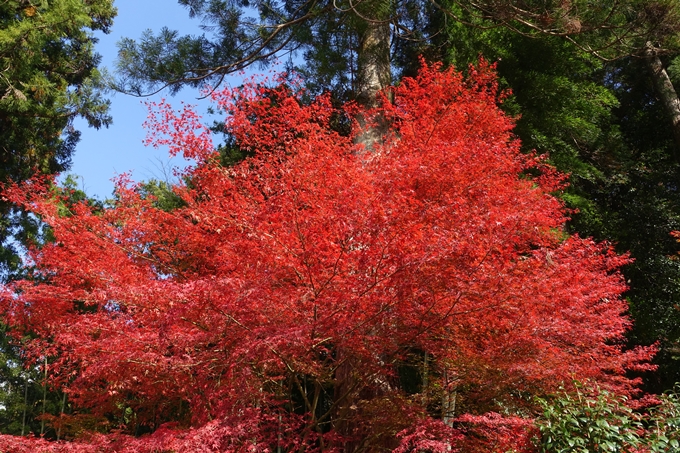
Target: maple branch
[353,386]
[303,393]
[196,323]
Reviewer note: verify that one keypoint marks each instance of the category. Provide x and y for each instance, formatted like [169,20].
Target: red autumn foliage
[495,433]
[319,296]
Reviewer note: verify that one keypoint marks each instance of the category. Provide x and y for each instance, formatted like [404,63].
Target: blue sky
[102,154]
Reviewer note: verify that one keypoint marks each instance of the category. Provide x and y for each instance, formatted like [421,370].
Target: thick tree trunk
[666,93]
[374,75]
[374,69]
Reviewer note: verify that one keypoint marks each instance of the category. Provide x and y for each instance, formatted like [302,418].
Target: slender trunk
[666,93]
[44,405]
[374,75]
[426,377]
[449,396]
[61,414]
[344,381]
[279,436]
[23,420]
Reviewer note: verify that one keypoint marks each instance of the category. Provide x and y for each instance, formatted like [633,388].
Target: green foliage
[21,394]
[585,423]
[234,41]
[329,35]
[674,70]
[593,421]
[162,195]
[663,427]
[69,194]
[639,204]
[49,77]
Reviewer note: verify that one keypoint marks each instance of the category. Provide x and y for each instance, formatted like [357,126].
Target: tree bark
[449,397]
[374,69]
[666,94]
[61,415]
[374,74]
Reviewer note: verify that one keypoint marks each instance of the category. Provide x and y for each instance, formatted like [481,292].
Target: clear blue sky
[102,154]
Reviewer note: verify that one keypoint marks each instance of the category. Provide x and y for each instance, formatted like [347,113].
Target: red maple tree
[320,296]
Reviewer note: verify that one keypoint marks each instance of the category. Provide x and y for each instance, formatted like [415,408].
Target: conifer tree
[48,77]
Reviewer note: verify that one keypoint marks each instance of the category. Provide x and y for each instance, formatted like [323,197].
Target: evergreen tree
[346,45]
[48,78]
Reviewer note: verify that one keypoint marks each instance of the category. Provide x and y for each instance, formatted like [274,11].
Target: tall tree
[48,78]
[348,44]
[287,301]
[638,206]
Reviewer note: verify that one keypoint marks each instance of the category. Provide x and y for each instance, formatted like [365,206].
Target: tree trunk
[449,397]
[374,69]
[374,74]
[23,420]
[61,414]
[666,93]
[44,402]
